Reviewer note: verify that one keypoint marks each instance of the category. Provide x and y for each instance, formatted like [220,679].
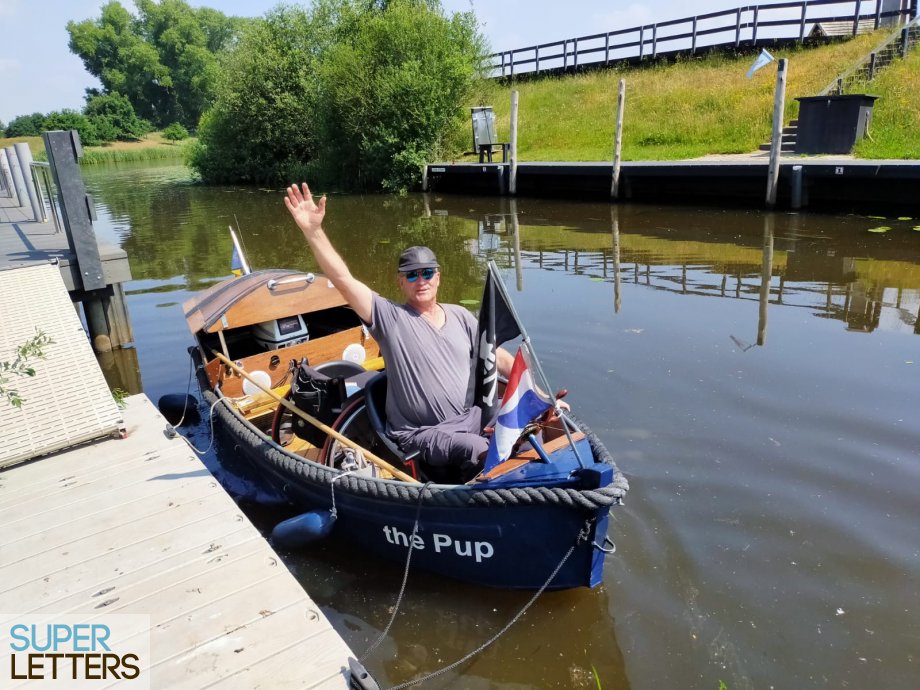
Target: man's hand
[307,215]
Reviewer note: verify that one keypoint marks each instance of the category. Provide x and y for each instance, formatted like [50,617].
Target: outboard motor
[319,396]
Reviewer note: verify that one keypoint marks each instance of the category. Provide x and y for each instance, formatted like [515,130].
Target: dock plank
[157,535]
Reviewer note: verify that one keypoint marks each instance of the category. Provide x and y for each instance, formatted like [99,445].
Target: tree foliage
[262,120]
[26,125]
[164,61]
[70,119]
[350,92]
[175,132]
[114,117]
[392,89]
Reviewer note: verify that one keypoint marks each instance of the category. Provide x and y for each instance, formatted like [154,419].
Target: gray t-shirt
[428,369]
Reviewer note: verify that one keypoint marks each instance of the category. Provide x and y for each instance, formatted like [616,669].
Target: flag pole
[239,251]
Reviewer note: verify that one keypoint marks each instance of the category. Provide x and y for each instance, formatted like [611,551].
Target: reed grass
[98,155]
[685,109]
[150,148]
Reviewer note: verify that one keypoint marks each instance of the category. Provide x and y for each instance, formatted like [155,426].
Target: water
[757,377]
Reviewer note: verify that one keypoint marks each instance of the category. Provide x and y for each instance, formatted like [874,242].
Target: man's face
[420,292]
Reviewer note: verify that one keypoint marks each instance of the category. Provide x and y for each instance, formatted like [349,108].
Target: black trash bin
[832,124]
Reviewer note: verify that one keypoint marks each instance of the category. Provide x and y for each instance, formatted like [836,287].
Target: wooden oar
[380,462]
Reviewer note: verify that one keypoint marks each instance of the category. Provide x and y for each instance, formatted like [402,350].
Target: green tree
[175,132]
[114,117]
[26,125]
[71,119]
[164,61]
[349,92]
[263,119]
[392,90]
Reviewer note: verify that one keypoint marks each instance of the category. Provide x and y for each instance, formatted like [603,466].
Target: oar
[380,462]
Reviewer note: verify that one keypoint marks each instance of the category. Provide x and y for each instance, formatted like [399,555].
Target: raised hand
[307,214]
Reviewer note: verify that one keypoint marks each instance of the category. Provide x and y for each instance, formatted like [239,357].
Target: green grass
[896,116]
[694,107]
[152,147]
[167,151]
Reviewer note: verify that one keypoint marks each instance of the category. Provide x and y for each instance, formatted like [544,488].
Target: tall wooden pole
[776,141]
[618,142]
[512,178]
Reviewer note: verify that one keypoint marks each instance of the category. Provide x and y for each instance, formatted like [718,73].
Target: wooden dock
[139,526]
[820,182]
[24,242]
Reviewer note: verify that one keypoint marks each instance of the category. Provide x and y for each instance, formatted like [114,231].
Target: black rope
[188,389]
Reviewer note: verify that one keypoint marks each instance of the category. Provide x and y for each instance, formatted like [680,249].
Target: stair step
[784,148]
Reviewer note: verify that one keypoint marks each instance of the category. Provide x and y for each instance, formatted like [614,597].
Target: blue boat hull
[513,535]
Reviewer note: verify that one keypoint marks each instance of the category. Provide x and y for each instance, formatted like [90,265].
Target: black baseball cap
[417,257]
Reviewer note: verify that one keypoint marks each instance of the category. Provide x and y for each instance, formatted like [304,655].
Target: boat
[295,380]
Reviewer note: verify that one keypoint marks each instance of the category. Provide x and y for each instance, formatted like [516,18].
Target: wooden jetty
[92,271]
[139,526]
[105,515]
[836,183]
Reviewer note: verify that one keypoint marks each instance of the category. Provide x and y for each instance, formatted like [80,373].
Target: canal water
[756,376]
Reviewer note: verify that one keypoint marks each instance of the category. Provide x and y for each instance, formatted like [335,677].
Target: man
[426,345]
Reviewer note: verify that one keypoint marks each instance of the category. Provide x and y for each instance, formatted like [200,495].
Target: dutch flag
[521,404]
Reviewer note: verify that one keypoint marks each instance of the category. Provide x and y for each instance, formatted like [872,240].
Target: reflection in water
[769,538]
[765,277]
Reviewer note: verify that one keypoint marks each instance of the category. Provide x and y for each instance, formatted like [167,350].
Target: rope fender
[454,496]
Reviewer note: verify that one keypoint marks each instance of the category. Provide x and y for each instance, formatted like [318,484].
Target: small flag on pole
[521,404]
[236,264]
[497,325]
[762,60]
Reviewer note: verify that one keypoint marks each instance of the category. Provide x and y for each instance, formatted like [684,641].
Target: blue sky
[38,72]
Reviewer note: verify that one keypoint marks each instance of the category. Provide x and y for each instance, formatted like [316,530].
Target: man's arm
[309,218]
[504,360]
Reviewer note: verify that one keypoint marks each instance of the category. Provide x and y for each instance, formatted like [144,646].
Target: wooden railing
[743,26]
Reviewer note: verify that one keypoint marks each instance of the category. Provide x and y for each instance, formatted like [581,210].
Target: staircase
[898,45]
[787,139]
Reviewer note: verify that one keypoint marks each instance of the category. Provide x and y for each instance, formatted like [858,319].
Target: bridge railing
[748,26]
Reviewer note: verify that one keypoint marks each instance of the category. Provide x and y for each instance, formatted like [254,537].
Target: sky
[38,73]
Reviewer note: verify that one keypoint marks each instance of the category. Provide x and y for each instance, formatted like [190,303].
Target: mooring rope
[583,535]
[402,589]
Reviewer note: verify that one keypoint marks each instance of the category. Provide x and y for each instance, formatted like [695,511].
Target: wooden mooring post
[618,142]
[103,306]
[779,102]
[513,155]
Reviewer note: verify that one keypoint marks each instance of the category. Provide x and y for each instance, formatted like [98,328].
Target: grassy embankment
[694,108]
[151,147]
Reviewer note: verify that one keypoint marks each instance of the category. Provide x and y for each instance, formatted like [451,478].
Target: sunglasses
[426,273]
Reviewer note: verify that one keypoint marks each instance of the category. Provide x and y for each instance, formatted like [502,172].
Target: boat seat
[340,368]
[375,396]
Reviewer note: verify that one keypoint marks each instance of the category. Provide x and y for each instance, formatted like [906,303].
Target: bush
[175,132]
[26,125]
[354,93]
[114,117]
[261,121]
[393,89]
[71,119]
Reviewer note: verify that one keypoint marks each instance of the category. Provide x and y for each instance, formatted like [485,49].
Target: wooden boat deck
[144,522]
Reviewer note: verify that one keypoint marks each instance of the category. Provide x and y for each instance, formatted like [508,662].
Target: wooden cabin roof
[247,300]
